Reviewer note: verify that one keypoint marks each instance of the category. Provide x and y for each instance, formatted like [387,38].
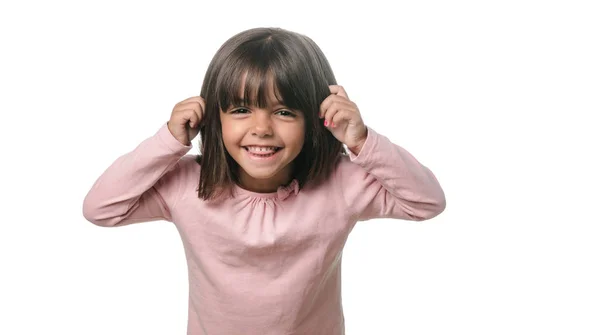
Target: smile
[261,152]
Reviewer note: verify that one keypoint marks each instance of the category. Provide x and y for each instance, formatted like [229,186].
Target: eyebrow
[277,105]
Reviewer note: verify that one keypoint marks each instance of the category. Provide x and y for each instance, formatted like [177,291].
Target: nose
[262,125]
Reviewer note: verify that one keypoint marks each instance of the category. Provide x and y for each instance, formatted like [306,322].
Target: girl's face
[264,142]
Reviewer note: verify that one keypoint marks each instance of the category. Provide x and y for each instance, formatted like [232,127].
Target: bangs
[265,75]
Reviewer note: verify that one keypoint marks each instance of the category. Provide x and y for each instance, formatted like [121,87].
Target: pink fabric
[263,263]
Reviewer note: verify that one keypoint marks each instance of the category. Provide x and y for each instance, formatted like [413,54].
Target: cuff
[166,138]
[367,148]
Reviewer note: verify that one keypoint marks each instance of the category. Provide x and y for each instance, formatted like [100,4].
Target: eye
[286,113]
[240,111]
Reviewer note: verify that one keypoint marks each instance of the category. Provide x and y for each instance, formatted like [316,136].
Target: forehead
[257,89]
[254,85]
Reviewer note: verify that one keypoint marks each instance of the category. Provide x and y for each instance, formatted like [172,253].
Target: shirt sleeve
[386,181]
[142,185]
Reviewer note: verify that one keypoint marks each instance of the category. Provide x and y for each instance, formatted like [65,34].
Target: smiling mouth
[261,151]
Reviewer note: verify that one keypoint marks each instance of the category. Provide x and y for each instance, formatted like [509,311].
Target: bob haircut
[271,58]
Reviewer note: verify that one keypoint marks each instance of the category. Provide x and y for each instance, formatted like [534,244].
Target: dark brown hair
[302,76]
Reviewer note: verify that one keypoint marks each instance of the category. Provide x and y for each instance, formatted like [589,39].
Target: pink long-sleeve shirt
[263,263]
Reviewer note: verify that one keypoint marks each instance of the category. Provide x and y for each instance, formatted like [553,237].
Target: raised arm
[386,181]
[380,179]
[142,185]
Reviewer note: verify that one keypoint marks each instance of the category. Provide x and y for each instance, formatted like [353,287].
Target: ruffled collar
[283,192]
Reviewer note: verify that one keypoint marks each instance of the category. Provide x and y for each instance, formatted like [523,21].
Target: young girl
[287,167]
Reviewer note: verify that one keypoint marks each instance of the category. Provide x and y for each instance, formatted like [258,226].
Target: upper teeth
[262,149]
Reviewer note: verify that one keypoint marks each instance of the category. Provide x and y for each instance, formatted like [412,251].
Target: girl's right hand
[185,120]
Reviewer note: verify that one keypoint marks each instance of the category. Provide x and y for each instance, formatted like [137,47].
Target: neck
[267,185]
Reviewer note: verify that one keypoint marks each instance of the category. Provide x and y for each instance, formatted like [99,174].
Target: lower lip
[262,158]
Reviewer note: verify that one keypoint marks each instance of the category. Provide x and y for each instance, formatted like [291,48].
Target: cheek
[296,136]
[231,133]
[230,143]
[225,135]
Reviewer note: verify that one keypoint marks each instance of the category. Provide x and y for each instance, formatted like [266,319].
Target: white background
[497,98]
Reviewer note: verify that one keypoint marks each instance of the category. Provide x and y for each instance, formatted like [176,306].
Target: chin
[262,172]
[264,167]
[261,175]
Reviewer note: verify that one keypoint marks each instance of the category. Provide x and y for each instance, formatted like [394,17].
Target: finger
[326,104]
[188,116]
[333,109]
[195,99]
[197,106]
[338,90]
[340,117]
[201,102]
[195,118]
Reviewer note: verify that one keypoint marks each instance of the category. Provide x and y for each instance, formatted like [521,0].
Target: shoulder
[186,169]
[343,172]
[347,167]
[189,165]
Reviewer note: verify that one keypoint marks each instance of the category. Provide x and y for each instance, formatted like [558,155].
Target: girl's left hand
[343,119]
